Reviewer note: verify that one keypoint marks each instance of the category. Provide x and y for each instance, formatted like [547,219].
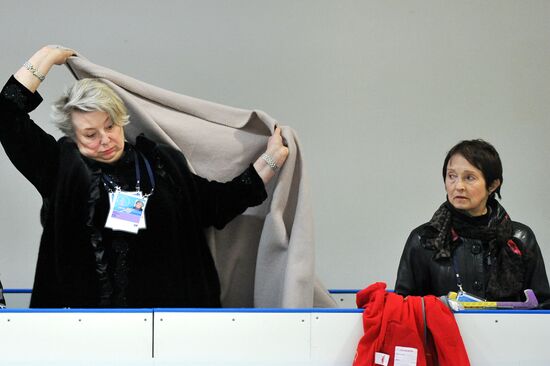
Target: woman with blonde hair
[93,254]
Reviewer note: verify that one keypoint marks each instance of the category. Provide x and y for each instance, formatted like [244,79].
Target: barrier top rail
[234,310]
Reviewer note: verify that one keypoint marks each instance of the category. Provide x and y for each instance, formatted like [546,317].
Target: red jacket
[391,321]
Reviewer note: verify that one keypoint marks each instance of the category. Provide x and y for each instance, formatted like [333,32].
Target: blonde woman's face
[97,137]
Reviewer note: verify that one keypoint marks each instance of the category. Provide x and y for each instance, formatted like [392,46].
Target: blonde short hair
[88,95]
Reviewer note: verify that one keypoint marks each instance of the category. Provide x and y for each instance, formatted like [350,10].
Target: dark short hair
[483,156]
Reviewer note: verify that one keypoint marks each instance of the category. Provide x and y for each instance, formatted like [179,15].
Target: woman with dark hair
[471,244]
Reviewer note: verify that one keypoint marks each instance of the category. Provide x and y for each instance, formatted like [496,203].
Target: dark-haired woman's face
[466,187]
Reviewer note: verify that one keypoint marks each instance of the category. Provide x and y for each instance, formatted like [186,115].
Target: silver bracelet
[269,160]
[34,71]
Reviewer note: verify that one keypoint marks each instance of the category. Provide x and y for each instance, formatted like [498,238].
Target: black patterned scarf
[506,273]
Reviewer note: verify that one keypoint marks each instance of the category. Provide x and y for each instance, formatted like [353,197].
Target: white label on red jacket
[405,356]
[381,359]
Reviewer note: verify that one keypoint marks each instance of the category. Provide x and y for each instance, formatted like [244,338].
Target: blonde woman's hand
[58,55]
[276,147]
[274,157]
[34,71]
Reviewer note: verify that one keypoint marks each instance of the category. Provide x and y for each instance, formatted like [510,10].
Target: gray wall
[378,91]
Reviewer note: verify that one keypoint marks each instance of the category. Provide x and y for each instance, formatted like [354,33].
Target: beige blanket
[265,257]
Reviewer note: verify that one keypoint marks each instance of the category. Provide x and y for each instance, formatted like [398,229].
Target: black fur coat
[169,265]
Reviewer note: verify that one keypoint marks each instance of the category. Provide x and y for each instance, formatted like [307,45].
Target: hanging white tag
[381,359]
[405,356]
[127,211]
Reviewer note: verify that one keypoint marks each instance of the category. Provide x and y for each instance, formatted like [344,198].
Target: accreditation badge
[127,211]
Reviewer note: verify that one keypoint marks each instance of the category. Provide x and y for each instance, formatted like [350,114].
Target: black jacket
[420,274]
[169,263]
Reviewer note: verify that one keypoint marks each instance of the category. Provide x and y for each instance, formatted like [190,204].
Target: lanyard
[149,172]
[110,185]
[457,274]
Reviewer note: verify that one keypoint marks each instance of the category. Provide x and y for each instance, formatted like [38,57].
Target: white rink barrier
[76,337]
[316,337]
[239,336]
